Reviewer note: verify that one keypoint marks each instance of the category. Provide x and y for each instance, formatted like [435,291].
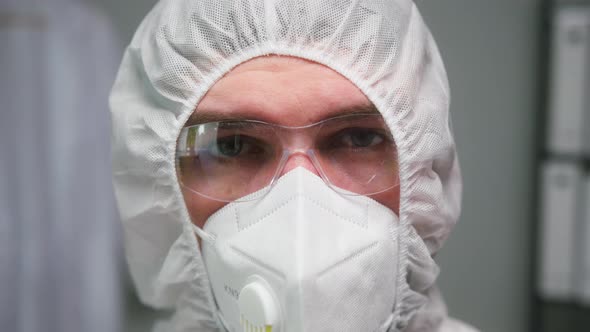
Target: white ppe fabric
[332,264]
[184,46]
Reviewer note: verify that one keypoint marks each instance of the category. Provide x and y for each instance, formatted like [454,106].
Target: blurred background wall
[59,234]
[491,50]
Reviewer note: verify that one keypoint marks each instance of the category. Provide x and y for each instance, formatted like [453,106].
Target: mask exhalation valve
[259,311]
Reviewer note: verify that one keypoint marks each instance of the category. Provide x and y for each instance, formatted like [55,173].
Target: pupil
[362,138]
[230,146]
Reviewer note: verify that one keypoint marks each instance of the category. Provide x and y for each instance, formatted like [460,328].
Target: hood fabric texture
[183,47]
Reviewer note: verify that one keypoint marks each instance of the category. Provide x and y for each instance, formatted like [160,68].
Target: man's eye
[228,146]
[360,138]
[238,146]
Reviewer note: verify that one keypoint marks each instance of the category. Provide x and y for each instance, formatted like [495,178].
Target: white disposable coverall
[184,46]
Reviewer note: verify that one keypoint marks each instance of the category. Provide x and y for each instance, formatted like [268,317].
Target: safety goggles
[227,160]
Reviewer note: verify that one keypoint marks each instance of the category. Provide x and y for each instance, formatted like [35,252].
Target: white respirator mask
[303,258]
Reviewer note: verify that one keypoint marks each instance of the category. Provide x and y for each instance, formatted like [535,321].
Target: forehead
[282,90]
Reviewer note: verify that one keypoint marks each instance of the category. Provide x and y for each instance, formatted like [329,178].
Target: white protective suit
[184,46]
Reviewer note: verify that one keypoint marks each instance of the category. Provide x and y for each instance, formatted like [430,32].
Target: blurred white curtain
[59,237]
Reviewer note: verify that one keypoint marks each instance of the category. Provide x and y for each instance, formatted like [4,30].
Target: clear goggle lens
[227,160]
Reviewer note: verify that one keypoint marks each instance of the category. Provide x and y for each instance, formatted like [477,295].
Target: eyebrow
[206,116]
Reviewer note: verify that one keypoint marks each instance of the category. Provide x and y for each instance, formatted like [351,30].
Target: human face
[285,91]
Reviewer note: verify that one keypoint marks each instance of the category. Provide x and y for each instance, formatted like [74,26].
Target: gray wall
[491,52]
[125,15]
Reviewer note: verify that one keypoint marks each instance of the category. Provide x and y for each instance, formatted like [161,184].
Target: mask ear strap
[387,324]
[209,238]
[221,321]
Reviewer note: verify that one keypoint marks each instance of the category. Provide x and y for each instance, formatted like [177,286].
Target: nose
[299,159]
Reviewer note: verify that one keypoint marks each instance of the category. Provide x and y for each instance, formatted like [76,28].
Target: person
[286,166]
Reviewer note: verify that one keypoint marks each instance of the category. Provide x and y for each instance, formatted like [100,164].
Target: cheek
[200,208]
[389,198]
